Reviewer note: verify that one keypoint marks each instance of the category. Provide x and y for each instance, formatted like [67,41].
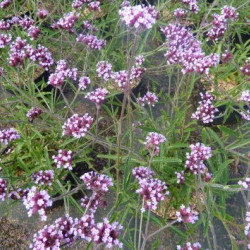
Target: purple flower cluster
[47,238]
[140,17]
[195,159]
[41,55]
[206,110]
[153,191]
[97,96]
[220,22]
[187,215]
[63,159]
[3,189]
[245,115]
[245,184]
[4,40]
[142,173]
[245,96]
[5,3]
[26,22]
[91,41]
[88,26]
[153,141]
[20,50]
[18,194]
[42,13]
[67,22]
[77,126]
[61,73]
[37,201]
[139,60]
[103,232]
[5,25]
[226,57]
[149,98]
[107,233]
[65,227]
[95,6]
[8,135]
[185,49]
[192,4]
[189,246]
[104,70]
[179,12]
[180,177]
[96,182]
[43,177]
[33,112]
[245,70]
[34,32]
[84,82]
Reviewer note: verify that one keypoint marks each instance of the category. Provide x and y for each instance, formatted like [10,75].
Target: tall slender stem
[125,97]
[97,117]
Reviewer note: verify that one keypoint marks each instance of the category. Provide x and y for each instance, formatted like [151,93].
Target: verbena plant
[165,153]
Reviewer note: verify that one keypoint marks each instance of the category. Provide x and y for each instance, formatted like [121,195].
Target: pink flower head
[65,228]
[139,60]
[3,189]
[226,57]
[77,126]
[17,52]
[150,99]
[88,26]
[193,6]
[18,194]
[179,12]
[142,173]
[42,13]
[5,25]
[137,72]
[245,96]
[61,73]
[47,238]
[153,191]
[26,22]
[5,40]
[37,201]
[206,110]
[153,141]
[107,233]
[185,49]
[33,112]
[220,22]
[187,215]
[139,16]
[245,115]
[91,41]
[195,159]
[180,177]
[97,182]
[8,135]
[34,32]
[245,70]
[77,4]
[207,177]
[83,227]
[104,70]
[189,246]
[63,159]
[95,6]
[5,3]
[121,78]
[97,96]
[229,12]
[67,22]
[42,56]
[43,177]
[84,82]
